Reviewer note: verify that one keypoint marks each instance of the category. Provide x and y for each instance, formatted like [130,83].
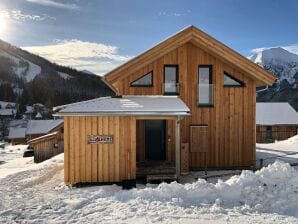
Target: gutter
[117,113]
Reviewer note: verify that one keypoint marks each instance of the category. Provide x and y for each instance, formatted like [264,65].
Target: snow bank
[272,189]
[286,151]
[37,193]
[12,155]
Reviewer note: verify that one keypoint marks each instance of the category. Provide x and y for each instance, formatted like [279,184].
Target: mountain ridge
[26,78]
[284,65]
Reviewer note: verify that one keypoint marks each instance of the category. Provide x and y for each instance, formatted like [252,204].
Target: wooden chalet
[33,129]
[187,103]
[38,128]
[276,121]
[46,146]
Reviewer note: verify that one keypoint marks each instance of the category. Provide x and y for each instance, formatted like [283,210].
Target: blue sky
[98,35]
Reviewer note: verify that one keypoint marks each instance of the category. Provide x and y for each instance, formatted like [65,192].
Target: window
[230,81]
[144,81]
[205,87]
[171,85]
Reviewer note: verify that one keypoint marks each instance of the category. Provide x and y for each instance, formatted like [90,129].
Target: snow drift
[38,193]
[272,189]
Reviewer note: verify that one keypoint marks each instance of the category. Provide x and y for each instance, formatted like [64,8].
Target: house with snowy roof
[17,135]
[275,121]
[34,129]
[8,110]
[187,103]
[37,128]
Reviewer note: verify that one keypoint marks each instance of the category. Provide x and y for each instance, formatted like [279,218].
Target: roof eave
[122,113]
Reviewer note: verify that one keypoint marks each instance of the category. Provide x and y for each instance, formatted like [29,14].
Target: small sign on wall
[100,139]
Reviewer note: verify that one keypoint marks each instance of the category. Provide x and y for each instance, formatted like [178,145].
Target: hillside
[26,78]
[284,65]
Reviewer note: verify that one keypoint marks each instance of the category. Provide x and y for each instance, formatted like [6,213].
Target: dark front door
[155,147]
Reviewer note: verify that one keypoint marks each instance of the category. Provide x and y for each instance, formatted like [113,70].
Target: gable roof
[203,41]
[276,113]
[127,105]
[42,126]
[16,132]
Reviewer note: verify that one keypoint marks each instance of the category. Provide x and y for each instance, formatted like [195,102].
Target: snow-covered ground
[286,151]
[37,194]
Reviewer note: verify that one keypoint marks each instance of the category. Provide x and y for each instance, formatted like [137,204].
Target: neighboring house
[8,105]
[17,135]
[34,129]
[47,146]
[202,114]
[8,113]
[276,121]
[38,116]
[29,112]
[37,128]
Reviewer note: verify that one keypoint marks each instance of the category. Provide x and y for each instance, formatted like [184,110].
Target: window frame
[210,66]
[177,79]
[149,85]
[242,84]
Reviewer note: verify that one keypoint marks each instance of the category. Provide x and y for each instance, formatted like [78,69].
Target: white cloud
[20,16]
[293,48]
[175,14]
[95,57]
[56,4]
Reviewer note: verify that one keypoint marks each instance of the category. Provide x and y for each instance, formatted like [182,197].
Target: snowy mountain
[284,65]
[27,79]
[88,72]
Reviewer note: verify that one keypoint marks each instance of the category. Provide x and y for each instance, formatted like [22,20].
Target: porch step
[161,177]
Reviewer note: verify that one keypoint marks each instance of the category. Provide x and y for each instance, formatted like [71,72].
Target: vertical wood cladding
[279,132]
[231,121]
[86,162]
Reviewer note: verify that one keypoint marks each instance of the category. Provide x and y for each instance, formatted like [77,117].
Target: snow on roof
[275,113]
[17,133]
[7,112]
[44,137]
[38,115]
[133,105]
[42,126]
[4,104]
[29,109]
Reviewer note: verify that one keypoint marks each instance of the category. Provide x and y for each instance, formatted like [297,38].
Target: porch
[119,139]
[157,148]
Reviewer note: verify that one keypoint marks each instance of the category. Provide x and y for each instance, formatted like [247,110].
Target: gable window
[144,81]
[171,82]
[205,87]
[230,81]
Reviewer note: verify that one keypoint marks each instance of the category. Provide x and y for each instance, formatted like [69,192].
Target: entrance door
[155,147]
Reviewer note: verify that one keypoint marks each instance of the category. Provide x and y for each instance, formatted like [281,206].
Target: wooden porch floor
[146,168]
